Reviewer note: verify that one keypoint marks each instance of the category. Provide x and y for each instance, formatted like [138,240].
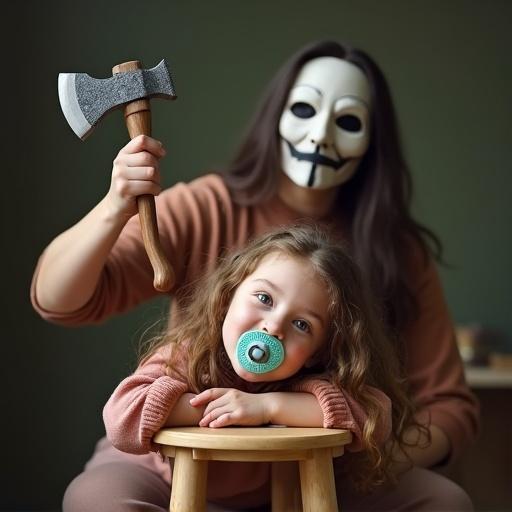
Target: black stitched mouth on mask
[316,158]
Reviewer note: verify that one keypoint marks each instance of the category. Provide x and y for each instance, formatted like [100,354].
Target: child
[281,333]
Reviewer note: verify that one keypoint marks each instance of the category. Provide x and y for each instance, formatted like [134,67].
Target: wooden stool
[313,448]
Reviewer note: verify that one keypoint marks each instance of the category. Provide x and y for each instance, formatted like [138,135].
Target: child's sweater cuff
[161,398]
[334,406]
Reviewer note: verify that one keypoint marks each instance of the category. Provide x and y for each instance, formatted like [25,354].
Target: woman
[323,146]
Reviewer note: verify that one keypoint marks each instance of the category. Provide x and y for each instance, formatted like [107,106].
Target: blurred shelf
[485,377]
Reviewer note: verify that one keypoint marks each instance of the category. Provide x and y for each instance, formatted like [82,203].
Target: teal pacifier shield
[259,352]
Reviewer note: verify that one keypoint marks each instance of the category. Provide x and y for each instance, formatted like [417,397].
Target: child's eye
[264,298]
[302,325]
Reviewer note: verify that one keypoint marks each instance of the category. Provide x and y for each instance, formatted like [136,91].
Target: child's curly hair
[357,353]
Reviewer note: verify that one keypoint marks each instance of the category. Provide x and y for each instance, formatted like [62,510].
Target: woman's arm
[421,453]
[70,268]
[446,405]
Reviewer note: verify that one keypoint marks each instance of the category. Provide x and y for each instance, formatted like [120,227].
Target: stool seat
[313,448]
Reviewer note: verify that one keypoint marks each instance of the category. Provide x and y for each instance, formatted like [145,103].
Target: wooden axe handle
[138,121]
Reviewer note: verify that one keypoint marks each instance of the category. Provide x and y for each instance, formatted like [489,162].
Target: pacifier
[259,352]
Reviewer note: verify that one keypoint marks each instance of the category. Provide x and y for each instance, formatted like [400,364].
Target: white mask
[324,126]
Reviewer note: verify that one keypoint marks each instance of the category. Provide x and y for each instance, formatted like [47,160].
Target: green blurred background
[448,65]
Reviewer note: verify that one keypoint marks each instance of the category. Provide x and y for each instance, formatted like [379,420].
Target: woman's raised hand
[136,171]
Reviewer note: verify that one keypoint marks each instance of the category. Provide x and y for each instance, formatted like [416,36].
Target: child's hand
[226,406]
[136,171]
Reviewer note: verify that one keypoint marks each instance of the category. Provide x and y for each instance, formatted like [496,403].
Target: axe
[86,100]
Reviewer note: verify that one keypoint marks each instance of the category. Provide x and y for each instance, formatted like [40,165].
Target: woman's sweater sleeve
[140,405]
[433,364]
[340,410]
[191,223]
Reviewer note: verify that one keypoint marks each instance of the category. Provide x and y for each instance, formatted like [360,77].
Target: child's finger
[207,396]
[223,421]
[212,415]
[222,401]
[212,419]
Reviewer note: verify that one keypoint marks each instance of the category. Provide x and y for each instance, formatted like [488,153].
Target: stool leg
[188,490]
[317,482]
[286,487]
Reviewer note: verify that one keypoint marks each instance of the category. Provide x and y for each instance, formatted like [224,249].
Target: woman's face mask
[324,126]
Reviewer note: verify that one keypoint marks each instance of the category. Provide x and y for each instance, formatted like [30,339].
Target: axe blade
[85,100]
[71,107]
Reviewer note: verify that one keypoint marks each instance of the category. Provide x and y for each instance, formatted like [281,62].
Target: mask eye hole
[349,123]
[303,110]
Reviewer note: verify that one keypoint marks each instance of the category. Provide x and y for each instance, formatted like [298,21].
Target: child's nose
[274,328]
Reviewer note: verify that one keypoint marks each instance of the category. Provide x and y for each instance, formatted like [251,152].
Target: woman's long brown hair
[356,354]
[375,202]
